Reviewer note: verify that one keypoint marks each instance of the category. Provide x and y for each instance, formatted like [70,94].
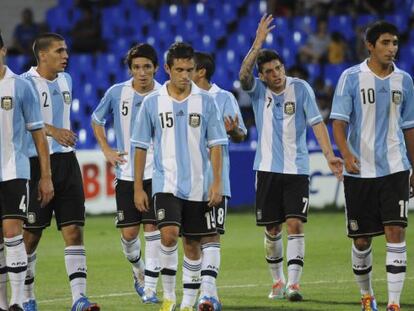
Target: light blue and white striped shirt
[55,99]
[19,111]
[181,131]
[123,102]
[377,110]
[281,121]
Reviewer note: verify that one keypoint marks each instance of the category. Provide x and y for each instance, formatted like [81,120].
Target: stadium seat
[226,12]
[17,63]
[342,24]
[215,29]
[204,43]
[306,23]
[81,63]
[314,70]
[198,13]
[364,20]
[333,72]
[171,14]
[398,19]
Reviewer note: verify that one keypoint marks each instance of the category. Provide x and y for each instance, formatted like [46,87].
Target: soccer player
[373,101]
[230,112]
[54,90]
[19,111]
[183,122]
[123,101]
[282,107]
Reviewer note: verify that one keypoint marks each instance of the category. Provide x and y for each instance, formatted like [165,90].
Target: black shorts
[14,196]
[68,204]
[220,213]
[281,196]
[194,218]
[127,214]
[372,203]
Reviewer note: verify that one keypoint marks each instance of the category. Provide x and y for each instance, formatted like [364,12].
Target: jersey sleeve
[257,89]
[142,127]
[312,114]
[100,112]
[342,101]
[231,108]
[31,108]
[216,133]
[407,109]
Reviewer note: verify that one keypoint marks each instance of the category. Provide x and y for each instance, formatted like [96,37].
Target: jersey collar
[156,86]
[33,72]
[194,89]
[9,73]
[214,89]
[364,68]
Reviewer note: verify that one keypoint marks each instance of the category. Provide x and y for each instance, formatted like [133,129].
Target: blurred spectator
[298,71]
[24,34]
[337,49]
[361,51]
[374,7]
[281,7]
[324,95]
[86,34]
[150,4]
[316,47]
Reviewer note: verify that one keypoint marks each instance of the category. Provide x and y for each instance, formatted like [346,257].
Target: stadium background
[224,28]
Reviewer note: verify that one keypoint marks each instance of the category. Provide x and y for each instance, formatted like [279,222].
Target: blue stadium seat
[189,31]
[314,70]
[398,19]
[333,72]
[17,63]
[171,14]
[198,13]
[109,63]
[81,63]
[215,29]
[204,43]
[364,20]
[342,24]
[226,12]
[162,32]
[306,23]
[239,41]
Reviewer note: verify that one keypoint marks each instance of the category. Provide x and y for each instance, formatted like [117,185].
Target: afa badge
[194,119]
[353,225]
[289,108]
[396,97]
[160,214]
[7,102]
[31,218]
[66,97]
[120,215]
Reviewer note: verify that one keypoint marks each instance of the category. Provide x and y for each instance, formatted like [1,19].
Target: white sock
[396,264]
[30,275]
[362,266]
[132,251]
[295,253]
[274,255]
[152,259]
[3,279]
[16,260]
[191,281]
[169,264]
[75,261]
[210,266]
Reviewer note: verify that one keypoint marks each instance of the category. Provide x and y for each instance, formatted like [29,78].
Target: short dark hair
[205,61]
[376,29]
[1,41]
[43,42]
[265,56]
[141,50]
[179,50]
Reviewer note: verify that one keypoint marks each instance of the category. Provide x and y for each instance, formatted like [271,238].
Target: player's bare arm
[335,164]
[140,197]
[233,130]
[215,191]
[114,157]
[45,189]
[65,137]
[409,143]
[246,71]
[352,164]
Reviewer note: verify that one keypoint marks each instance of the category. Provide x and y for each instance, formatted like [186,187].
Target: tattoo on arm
[246,70]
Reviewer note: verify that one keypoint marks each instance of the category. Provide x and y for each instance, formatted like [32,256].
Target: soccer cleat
[139,284]
[150,297]
[393,307]
[83,304]
[30,305]
[293,293]
[168,305]
[368,303]
[208,304]
[278,290]
[15,307]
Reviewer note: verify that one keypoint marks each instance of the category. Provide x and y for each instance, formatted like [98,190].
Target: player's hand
[231,124]
[64,137]
[115,157]
[352,165]
[412,185]
[45,191]
[214,195]
[265,26]
[141,200]
[336,165]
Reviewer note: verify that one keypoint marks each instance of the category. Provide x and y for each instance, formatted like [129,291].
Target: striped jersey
[181,132]
[55,99]
[281,121]
[377,110]
[123,102]
[228,106]
[19,111]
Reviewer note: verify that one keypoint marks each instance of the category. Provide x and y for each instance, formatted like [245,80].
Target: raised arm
[246,70]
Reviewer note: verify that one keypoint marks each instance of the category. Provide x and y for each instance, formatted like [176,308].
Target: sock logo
[211,267]
[400,262]
[18,264]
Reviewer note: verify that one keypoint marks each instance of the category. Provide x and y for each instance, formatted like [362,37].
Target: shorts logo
[259,214]
[289,108]
[396,97]
[120,215]
[31,218]
[66,97]
[194,119]
[160,214]
[353,225]
[7,102]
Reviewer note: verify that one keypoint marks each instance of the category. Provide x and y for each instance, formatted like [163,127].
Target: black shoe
[15,307]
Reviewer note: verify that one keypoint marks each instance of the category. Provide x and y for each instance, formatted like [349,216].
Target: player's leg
[270,213]
[3,274]
[191,271]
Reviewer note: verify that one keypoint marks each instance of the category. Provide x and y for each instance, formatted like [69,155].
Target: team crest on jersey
[194,119]
[353,225]
[66,97]
[7,102]
[289,108]
[31,218]
[396,97]
[160,214]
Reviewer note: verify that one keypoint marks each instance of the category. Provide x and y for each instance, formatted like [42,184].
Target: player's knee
[192,247]
[31,239]
[362,244]
[72,235]
[274,229]
[394,234]
[129,234]
[150,228]
[294,226]
[210,239]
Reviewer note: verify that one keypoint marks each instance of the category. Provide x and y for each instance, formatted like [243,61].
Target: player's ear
[167,69]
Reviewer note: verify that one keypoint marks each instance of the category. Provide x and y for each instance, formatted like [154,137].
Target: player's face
[198,75]
[181,73]
[143,71]
[273,74]
[385,49]
[55,57]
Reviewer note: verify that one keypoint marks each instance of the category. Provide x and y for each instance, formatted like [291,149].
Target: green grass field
[244,281]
